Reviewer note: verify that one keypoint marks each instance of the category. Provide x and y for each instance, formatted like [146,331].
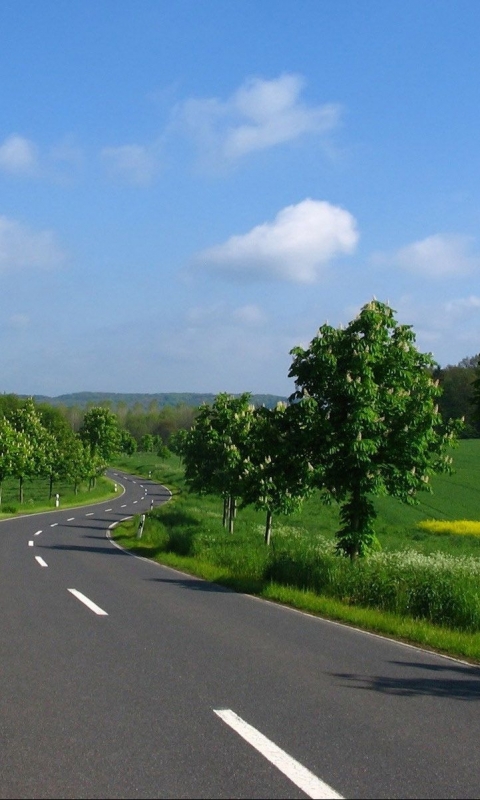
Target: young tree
[214,450]
[376,427]
[31,444]
[276,477]
[7,450]
[100,432]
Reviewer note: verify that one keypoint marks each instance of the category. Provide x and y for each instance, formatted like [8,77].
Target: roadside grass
[423,588]
[36,497]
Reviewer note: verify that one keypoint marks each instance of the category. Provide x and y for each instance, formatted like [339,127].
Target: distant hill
[83,399]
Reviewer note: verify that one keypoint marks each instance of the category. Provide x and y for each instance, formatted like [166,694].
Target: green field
[36,495]
[422,587]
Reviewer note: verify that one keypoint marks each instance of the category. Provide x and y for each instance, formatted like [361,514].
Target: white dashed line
[54,524]
[30,544]
[70,519]
[299,775]
[90,514]
[89,603]
[135,501]
[108,509]
[37,533]
[124,505]
[41,561]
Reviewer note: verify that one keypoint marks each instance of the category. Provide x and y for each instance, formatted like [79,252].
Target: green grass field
[36,495]
[423,587]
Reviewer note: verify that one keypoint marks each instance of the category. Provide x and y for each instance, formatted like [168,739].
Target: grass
[36,498]
[423,587]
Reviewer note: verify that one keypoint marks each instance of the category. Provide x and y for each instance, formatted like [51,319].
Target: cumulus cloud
[21,247]
[296,246]
[133,163]
[260,114]
[437,256]
[18,155]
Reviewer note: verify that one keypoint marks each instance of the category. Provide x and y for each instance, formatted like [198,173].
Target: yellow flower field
[462,527]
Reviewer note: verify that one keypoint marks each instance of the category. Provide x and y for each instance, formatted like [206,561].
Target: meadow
[36,495]
[421,586]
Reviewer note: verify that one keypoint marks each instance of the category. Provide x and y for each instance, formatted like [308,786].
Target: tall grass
[440,585]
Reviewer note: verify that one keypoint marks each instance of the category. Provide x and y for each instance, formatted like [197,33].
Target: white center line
[108,509]
[70,519]
[90,514]
[37,533]
[89,603]
[124,505]
[135,501]
[30,544]
[299,775]
[41,561]
[53,524]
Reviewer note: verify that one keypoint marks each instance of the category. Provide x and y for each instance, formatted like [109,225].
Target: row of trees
[364,420]
[36,441]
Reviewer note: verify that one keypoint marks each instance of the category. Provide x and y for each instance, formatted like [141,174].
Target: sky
[188,189]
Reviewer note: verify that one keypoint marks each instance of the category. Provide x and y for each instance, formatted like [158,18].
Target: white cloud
[437,256]
[19,321]
[249,315]
[22,247]
[18,155]
[260,114]
[136,164]
[220,314]
[296,246]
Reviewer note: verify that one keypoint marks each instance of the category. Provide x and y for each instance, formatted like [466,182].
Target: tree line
[364,420]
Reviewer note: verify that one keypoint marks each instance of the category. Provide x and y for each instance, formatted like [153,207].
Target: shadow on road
[193,584]
[464,687]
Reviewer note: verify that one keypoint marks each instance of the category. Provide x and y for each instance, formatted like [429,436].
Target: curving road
[121,678]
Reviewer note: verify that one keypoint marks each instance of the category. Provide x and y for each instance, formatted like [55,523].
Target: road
[122,678]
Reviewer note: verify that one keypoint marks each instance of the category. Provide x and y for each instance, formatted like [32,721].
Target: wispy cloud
[260,114]
[133,163]
[438,256]
[21,247]
[18,155]
[296,246]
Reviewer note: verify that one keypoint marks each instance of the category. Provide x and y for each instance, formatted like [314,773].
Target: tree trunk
[268,528]
[50,487]
[20,489]
[226,501]
[231,515]
[1,484]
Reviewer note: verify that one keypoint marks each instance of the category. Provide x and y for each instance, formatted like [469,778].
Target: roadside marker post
[57,500]
[140,527]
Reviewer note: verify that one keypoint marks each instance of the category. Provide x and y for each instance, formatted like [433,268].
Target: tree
[214,450]
[128,444]
[31,444]
[7,449]
[100,432]
[276,477]
[376,428]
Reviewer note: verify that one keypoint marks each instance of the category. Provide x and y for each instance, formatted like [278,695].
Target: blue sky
[190,189]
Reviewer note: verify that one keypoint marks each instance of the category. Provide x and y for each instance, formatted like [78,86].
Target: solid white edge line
[294,771]
[41,561]
[89,603]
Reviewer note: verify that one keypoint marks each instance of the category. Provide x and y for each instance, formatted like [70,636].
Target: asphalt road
[145,682]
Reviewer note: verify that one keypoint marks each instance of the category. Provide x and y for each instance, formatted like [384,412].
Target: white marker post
[57,500]
[115,486]
[151,504]
[140,527]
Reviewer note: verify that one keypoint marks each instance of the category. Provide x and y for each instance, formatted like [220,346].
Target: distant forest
[113,399]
